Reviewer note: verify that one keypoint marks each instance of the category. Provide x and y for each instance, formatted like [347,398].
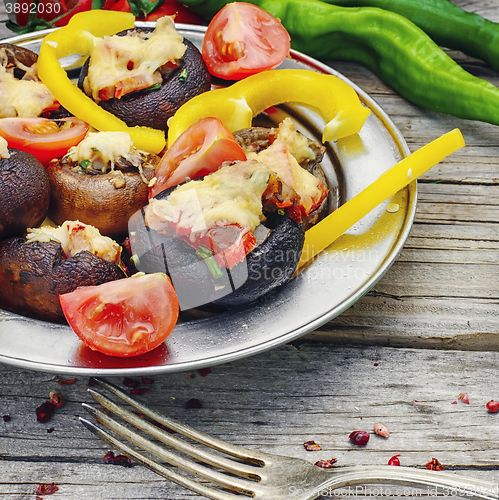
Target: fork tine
[166,472]
[187,465]
[244,470]
[199,436]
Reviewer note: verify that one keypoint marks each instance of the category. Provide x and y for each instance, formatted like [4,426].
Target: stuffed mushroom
[143,76]
[35,270]
[102,181]
[23,94]
[237,233]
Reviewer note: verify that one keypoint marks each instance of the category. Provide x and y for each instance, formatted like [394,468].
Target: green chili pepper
[447,24]
[394,48]
[183,75]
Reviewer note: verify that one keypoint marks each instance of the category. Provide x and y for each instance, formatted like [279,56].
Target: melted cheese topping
[231,195]
[75,237]
[4,148]
[23,98]
[282,158]
[103,149]
[296,143]
[133,57]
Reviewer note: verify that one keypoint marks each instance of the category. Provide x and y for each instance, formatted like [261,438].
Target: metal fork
[241,471]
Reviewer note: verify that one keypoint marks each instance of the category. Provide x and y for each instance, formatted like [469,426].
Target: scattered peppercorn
[138,391]
[326,464]
[434,464]
[493,406]
[381,430]
[56,399]
[67,382]
[46,489]
[311,446]
[464,398]
[394,460]
[122,460]
[110,458]
[203,372]
[360,438]
[193,403]
[130,382]
[44,412]
[50,430]
[6,418]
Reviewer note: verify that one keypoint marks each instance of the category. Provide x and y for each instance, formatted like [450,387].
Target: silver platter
[334,281]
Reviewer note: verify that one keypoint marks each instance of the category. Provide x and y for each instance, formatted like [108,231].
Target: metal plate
[334,281]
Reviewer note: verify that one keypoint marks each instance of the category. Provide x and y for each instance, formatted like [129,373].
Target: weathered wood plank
[274,401]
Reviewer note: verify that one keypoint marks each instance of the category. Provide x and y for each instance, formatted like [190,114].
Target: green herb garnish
[154,87]
[84,164]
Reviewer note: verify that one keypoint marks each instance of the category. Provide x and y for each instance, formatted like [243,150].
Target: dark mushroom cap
[15,53]
[24,193]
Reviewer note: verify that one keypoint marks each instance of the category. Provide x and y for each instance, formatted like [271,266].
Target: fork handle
[422,482]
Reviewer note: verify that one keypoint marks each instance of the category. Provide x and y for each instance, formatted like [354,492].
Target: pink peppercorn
[493,406]
[360,438]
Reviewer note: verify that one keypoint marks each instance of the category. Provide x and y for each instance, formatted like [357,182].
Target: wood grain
[273,402]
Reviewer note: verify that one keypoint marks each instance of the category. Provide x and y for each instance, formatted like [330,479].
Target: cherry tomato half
[243,39]
[125,317]
[45,139]
[200,150]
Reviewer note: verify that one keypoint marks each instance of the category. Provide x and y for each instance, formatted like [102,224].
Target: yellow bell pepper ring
[238,104]
[79,37]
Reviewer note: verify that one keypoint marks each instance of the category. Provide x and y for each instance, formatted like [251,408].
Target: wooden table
[427,332]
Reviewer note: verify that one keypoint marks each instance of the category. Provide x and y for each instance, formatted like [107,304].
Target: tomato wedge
[200,150]
[243,39]
[45,139]
[123,318]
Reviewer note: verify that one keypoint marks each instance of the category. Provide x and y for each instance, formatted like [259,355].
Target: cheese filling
[23,98]
[75,237]
[4,148]
[103,152]
[282,157]
[231,195]
[122,64]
